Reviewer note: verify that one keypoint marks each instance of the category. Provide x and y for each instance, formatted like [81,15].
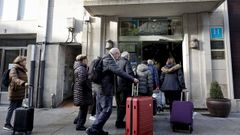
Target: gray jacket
[145,79]
[110,68]
[172,78]
[123,84]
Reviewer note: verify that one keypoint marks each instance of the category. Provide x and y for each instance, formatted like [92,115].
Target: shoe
[102,132]
[93,118]
[75,121]
[81,128]
[8,127]
[91,131]
[119,124]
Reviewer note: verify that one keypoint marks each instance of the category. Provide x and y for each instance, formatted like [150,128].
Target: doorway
[7,55]
[160,51]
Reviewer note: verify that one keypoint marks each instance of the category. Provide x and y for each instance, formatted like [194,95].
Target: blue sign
[216,33]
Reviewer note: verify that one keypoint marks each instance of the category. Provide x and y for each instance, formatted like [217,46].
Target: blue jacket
[172,78]
[154,73]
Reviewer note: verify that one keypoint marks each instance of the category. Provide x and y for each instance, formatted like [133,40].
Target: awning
[143,8]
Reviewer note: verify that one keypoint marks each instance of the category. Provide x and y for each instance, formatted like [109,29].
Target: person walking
[105,95]
[123,89]
[145,80]
[154,73]
[172,81]
[82,90]
[16,89]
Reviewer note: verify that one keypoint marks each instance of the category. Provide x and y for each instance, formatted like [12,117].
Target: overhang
[142,8]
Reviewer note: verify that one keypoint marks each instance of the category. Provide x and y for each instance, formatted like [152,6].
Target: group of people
[117,78]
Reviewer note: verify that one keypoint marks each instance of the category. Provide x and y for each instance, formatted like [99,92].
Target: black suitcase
[23,121]
[24,117]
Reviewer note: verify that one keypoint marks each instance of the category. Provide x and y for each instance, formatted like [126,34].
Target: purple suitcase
[182,115]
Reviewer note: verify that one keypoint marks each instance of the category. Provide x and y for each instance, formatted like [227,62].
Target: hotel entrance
[151,38]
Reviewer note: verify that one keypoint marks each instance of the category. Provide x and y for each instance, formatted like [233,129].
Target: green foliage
[216,91]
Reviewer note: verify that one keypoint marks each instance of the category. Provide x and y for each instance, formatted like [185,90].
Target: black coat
[82,92]
[172,78]
[123,84]
[109,69]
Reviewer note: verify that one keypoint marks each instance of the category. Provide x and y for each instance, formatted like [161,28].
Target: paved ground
[60,122]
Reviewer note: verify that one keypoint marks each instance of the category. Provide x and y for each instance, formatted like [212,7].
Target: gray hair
[125,54]
[150,61]
[114,51]
[81,57]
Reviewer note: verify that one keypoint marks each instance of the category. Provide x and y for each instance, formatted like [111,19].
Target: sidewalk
[59,121]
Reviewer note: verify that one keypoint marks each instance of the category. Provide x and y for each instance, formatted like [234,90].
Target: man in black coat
[123,89]
[105,96]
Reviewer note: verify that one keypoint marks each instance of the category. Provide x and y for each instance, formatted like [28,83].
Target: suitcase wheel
[173,127]
[190,129]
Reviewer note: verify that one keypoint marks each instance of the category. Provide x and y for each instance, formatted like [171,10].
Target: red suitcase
[139,118]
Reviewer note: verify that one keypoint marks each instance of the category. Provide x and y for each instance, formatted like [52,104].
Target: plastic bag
[160,97]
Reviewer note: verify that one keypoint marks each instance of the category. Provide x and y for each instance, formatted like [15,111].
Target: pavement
[59,121]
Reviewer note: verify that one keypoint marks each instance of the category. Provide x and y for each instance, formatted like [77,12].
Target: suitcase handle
[187,95]
[133,89]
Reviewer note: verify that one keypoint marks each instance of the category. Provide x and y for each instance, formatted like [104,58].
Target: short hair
[114,51]
[149,61]
[19,59]
[81,57]
[125,54]
[109,45]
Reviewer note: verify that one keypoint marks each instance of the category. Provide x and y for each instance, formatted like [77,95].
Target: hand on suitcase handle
[136,80]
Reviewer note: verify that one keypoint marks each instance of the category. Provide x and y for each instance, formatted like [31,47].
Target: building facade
[195,32]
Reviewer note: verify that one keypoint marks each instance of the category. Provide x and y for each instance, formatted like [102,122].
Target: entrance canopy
[142,8]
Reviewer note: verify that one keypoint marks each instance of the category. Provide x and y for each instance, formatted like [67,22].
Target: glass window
[218,54]
[150,26]
[30,9]
[217,44]
[10,9]
[10,55]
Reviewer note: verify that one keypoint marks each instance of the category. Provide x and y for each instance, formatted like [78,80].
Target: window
[9,10]
[18,9]
[150,26]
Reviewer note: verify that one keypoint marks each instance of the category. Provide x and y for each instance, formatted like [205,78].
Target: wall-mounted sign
[216,32]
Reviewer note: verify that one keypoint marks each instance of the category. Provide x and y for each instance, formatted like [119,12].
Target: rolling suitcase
[23,121]
[139,118]
[182,114]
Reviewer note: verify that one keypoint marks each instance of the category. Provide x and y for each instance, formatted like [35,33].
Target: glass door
[7,55]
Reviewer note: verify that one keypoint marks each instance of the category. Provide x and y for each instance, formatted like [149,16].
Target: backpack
[95,70]
[5,78]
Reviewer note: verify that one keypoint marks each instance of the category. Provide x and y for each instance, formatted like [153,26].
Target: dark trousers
[92,109]
[82,115]
[104,110]
[121,97]
[14,104]
[172,96]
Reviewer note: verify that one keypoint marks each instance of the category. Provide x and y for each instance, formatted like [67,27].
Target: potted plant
[217,105]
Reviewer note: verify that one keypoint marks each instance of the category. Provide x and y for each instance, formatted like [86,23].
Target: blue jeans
[104,110]
[14,104]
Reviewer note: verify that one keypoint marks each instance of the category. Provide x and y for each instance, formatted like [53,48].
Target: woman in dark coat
[82,90]
[16,89]
[172,81]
